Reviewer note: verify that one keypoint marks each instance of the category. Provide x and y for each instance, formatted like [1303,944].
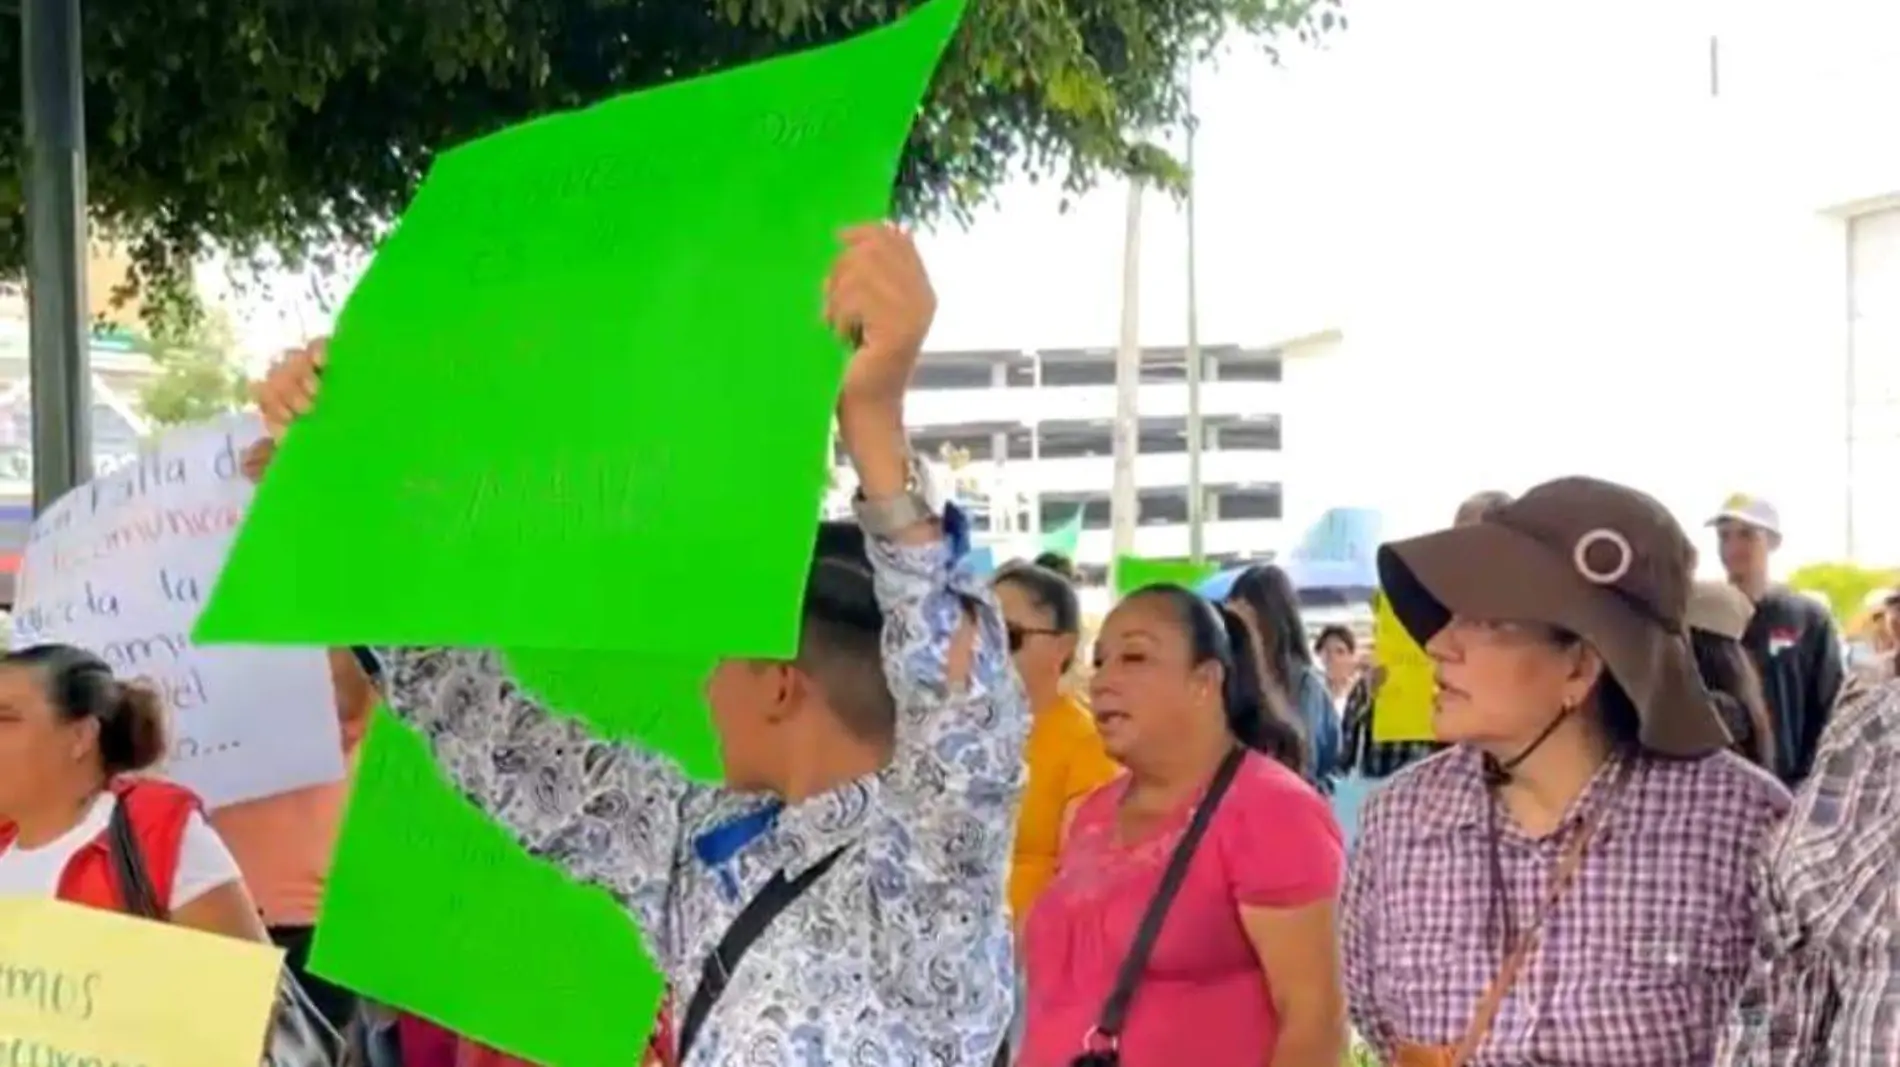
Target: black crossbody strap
[758,914]
[128,867]
[1115,1009]
[366,659]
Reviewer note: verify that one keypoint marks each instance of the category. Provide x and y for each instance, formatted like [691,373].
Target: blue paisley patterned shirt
[900,955]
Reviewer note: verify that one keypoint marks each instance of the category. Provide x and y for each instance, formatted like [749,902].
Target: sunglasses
[1020,634]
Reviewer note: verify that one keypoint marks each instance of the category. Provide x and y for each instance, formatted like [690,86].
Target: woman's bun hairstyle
[133,736]
[1058,563]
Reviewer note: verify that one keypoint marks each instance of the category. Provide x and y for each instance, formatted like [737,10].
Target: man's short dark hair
[840,646]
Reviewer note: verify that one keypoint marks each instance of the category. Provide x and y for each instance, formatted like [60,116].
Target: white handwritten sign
[119,566]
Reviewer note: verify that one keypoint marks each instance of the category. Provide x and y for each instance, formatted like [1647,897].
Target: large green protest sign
[435,909]
[582,395]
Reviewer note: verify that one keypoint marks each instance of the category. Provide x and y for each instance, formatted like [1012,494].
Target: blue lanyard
[717,847]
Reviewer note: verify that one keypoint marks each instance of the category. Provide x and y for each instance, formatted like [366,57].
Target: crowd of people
[1657,826]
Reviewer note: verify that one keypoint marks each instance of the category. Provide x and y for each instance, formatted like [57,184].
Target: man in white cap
[1791,638]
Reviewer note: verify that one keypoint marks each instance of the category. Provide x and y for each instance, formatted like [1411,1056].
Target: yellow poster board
[1402,711]
[83,986]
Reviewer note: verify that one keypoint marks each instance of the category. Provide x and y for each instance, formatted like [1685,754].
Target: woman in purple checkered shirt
[1569,885]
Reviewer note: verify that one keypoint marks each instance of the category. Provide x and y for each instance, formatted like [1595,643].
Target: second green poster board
[433,908]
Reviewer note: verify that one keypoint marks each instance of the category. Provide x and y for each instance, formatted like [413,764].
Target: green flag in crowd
[1133,572]
[1063,539]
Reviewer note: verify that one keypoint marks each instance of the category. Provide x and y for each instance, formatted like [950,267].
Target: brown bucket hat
[1600,560]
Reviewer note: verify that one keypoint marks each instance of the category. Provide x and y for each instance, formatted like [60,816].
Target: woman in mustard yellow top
[1065,756]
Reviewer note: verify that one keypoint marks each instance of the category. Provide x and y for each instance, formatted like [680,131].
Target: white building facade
[1025,439]
[1872,327]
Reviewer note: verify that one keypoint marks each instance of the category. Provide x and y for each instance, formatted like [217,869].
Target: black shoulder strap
[128,866]
[1115,1009]
[759,912]
[366,658]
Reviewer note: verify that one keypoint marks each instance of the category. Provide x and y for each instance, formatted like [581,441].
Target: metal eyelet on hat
[1625,559]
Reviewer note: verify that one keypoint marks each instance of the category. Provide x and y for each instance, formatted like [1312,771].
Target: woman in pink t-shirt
[1245,971]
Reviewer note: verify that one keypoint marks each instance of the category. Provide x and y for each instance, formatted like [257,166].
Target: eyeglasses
[1020,634]
[1515,631]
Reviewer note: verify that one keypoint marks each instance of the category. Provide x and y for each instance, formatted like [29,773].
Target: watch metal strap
[884,517]
[887,515]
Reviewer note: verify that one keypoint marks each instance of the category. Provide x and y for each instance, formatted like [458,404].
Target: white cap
[1749,511]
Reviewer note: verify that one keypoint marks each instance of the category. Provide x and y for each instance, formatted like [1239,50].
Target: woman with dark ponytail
[1291,686]
[1250,716]
[76,744]
[1248,946]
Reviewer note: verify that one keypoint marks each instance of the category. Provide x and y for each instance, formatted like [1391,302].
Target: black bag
[758,914]
[1101,1046]
[299,1034]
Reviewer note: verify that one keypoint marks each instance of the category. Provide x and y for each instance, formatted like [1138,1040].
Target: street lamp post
[1197,504]
[1035,444]
[57,313]
[1124,504]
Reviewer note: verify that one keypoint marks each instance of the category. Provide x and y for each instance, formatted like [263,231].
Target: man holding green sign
[841,898]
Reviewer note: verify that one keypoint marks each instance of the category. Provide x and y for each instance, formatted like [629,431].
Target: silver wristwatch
[888,515]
